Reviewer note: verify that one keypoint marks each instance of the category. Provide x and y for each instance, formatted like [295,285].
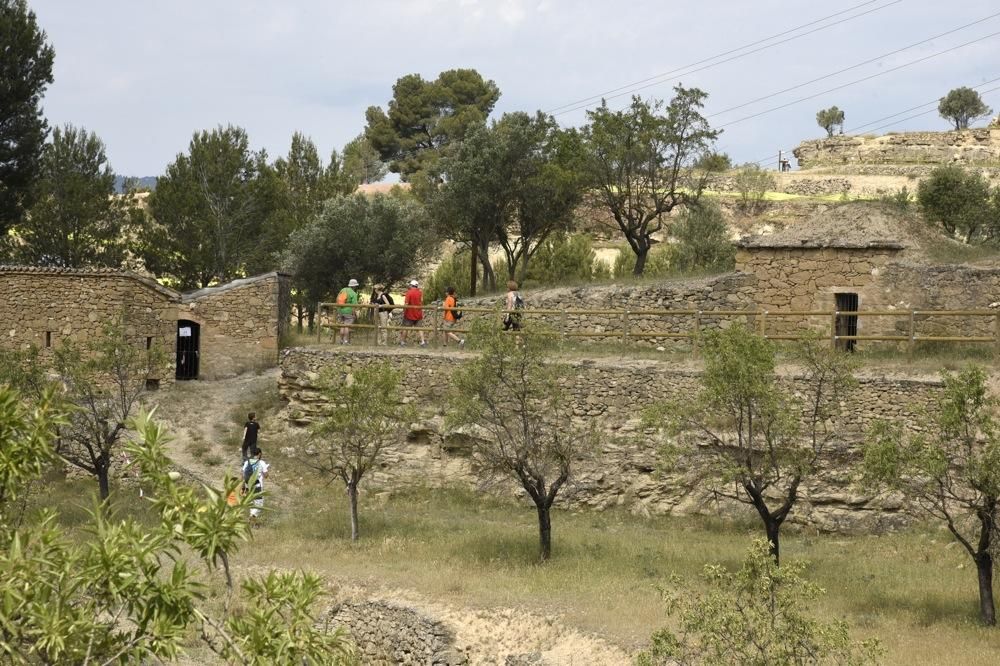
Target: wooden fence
[762,321]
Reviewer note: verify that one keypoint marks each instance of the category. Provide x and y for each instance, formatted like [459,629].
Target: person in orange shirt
[451,316]
[413,312]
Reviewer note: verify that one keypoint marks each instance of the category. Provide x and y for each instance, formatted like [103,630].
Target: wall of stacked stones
[389,633]
[241,324]
[611,395]
[728,292]
[973,147]
[45,308]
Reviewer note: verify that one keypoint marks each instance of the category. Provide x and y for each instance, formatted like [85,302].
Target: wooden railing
[763,321]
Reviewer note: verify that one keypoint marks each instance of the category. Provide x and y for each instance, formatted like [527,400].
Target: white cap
[414,283]
[352,283]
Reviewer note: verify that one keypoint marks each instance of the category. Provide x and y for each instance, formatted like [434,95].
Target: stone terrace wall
[611,395]
[241,323]
[388,633]
[731,291]
[47,306]
[975,146]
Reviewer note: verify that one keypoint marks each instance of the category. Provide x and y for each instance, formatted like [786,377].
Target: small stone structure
[240,323]
[624,470]
[390,633]
[967,147]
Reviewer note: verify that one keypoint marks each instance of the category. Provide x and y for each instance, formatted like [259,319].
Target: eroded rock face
[625,469]
[969,147]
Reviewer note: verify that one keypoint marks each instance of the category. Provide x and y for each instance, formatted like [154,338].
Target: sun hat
[352,283]
[414,283]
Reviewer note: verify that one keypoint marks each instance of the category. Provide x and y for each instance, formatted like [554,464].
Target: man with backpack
[383,299]
[513,305]
[346,315]
[254,472]
[451,316]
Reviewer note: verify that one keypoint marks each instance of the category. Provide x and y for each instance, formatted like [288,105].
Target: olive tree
[752,184]
[763,439]
[950,469]
[830,119]
[755,616]
[640,162]
[363,415]
[515,400]
[961,106]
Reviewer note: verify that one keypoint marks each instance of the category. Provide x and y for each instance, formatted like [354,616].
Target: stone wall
[970,147]
[728,292]
[389,633]
[610,394]
[241,323]
[45,307]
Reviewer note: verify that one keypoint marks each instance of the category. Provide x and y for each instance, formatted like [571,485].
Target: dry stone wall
[389,633]
[45,307]
[623,471]
[241,323]
[970,147]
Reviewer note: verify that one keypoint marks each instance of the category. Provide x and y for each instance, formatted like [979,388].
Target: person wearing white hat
[413,312]
[347,297]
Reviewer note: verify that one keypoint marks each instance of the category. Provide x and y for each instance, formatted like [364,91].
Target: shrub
[701,242]
[455,272]
[960,201]
[752,183]
[657,263]
[563,258]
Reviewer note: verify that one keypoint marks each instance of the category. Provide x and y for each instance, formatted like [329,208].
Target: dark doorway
[847,324]
[188,333]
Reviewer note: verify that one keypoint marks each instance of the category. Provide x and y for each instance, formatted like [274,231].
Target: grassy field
[914,590]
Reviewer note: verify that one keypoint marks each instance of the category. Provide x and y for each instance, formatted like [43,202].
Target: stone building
[215,332]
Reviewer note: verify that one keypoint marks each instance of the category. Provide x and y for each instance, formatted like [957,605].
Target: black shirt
[251,435]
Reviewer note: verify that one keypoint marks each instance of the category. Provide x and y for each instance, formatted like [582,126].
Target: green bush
[657,262]
[455,272]
[564,258]
[961,202]
[701,242]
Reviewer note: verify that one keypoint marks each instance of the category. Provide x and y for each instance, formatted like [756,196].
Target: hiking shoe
[461,343]
[423,344]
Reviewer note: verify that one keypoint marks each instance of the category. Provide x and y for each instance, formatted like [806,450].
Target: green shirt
[352,298]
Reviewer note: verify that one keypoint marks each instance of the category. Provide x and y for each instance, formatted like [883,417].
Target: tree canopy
[25,73]
[961,106]
[379,238]
[962,202]
[425,119]
[639,160]
[76,220]
[208,209]
[830,119]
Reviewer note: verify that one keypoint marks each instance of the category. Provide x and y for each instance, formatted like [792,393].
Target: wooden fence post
[696,340]
[833,329]
[913,334]
[625,326]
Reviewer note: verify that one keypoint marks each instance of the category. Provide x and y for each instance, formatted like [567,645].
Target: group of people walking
[413,313]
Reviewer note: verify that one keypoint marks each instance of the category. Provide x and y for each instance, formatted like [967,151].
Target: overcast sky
[145,75]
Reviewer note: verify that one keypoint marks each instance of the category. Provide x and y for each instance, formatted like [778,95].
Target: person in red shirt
[413,312]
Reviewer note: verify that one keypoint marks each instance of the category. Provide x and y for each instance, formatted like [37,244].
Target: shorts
[410,322]
[258,504]
[511,323]
[450,324]
[347,319]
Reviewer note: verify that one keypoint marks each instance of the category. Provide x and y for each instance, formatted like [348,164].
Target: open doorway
[188,334]
[847,324]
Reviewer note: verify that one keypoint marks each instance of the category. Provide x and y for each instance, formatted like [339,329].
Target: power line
[632,87]
[855,66]
[855,82]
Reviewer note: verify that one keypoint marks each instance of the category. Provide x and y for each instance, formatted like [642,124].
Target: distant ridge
[145,182]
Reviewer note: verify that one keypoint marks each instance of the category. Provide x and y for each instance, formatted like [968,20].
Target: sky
[145,76]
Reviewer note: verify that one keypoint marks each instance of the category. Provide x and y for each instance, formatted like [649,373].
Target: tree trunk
[475,271]
[311,318]
[640,260]
[352,494]
[103,482]
[773,527]
[984,567]
[544,532]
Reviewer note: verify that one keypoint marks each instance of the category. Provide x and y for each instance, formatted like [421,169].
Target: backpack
[455,312]
[518,301]
[248,471]
[342,297]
